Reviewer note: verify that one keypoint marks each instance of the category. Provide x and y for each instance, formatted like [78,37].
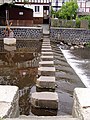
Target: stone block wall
[24,32]
[69,35]
[81,105]
[9,98]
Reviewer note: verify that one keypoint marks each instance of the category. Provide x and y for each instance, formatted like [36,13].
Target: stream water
[19,64]
[79,59]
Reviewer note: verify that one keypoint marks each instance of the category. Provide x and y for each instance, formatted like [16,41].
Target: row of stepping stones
[45,97]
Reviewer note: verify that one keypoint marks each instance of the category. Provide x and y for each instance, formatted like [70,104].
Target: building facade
[41,8]
[18,15]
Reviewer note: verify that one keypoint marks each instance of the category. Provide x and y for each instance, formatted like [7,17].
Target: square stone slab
[9,41]
[46,63]
[47,100]
[46,49]
[44,46]
[46,82]
[46,53]
[46,71]
[46,58]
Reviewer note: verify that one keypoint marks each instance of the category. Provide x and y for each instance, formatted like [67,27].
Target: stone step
[46,64]
[66,117]
[46,53]
[46,71]
[47,58]
[46,50]
[46,82]
[45,46]
[9,41]
[46,100]
[48,44]
[45,42]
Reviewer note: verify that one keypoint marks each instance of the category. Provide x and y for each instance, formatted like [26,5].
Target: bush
[78,21]
[88,44]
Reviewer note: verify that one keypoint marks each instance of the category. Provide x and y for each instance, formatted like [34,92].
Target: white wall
[36,14]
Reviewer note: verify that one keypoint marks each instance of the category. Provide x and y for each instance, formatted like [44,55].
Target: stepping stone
[46,46]
[47,58]
[46,42]
[46,49]
[47,100]
[9,41]
[46,63]
[46,82]
[46,71]
[46,53]
[9,47]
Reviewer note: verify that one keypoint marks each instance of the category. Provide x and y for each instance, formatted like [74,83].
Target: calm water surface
[18,66]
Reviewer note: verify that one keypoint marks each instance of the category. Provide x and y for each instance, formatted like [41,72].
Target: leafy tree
[53,13]
[68,10]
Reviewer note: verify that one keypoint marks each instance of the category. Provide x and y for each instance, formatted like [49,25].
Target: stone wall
[24,32]
[9,98]
[81,105]
[69,35]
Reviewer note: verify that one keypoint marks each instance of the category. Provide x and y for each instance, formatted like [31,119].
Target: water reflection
[18,66]
[43,112]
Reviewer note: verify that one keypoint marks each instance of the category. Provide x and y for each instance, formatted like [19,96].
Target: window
[37,8]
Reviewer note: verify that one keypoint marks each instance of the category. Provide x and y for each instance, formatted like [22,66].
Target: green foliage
[53,13]
[68,10]
[88,44]
[78,20]
[26,1]
[86,18]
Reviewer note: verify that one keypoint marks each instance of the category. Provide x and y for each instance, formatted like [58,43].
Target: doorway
[45,14]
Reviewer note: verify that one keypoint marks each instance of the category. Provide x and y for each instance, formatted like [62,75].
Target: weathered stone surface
[46,71]
[69,35]
[9,98]
[64,117]
[45,100]
[46,42]
[43,46]
[81,106]
[46,58]
[26,33]
[46,64]
[46,53]
[46,82]
[46,49]
[9,41]
[9,47]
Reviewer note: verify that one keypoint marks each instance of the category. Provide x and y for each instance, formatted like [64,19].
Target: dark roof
[6,6]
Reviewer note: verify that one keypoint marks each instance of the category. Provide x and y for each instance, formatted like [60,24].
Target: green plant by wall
[78,20]
[68,10]
[88,44]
